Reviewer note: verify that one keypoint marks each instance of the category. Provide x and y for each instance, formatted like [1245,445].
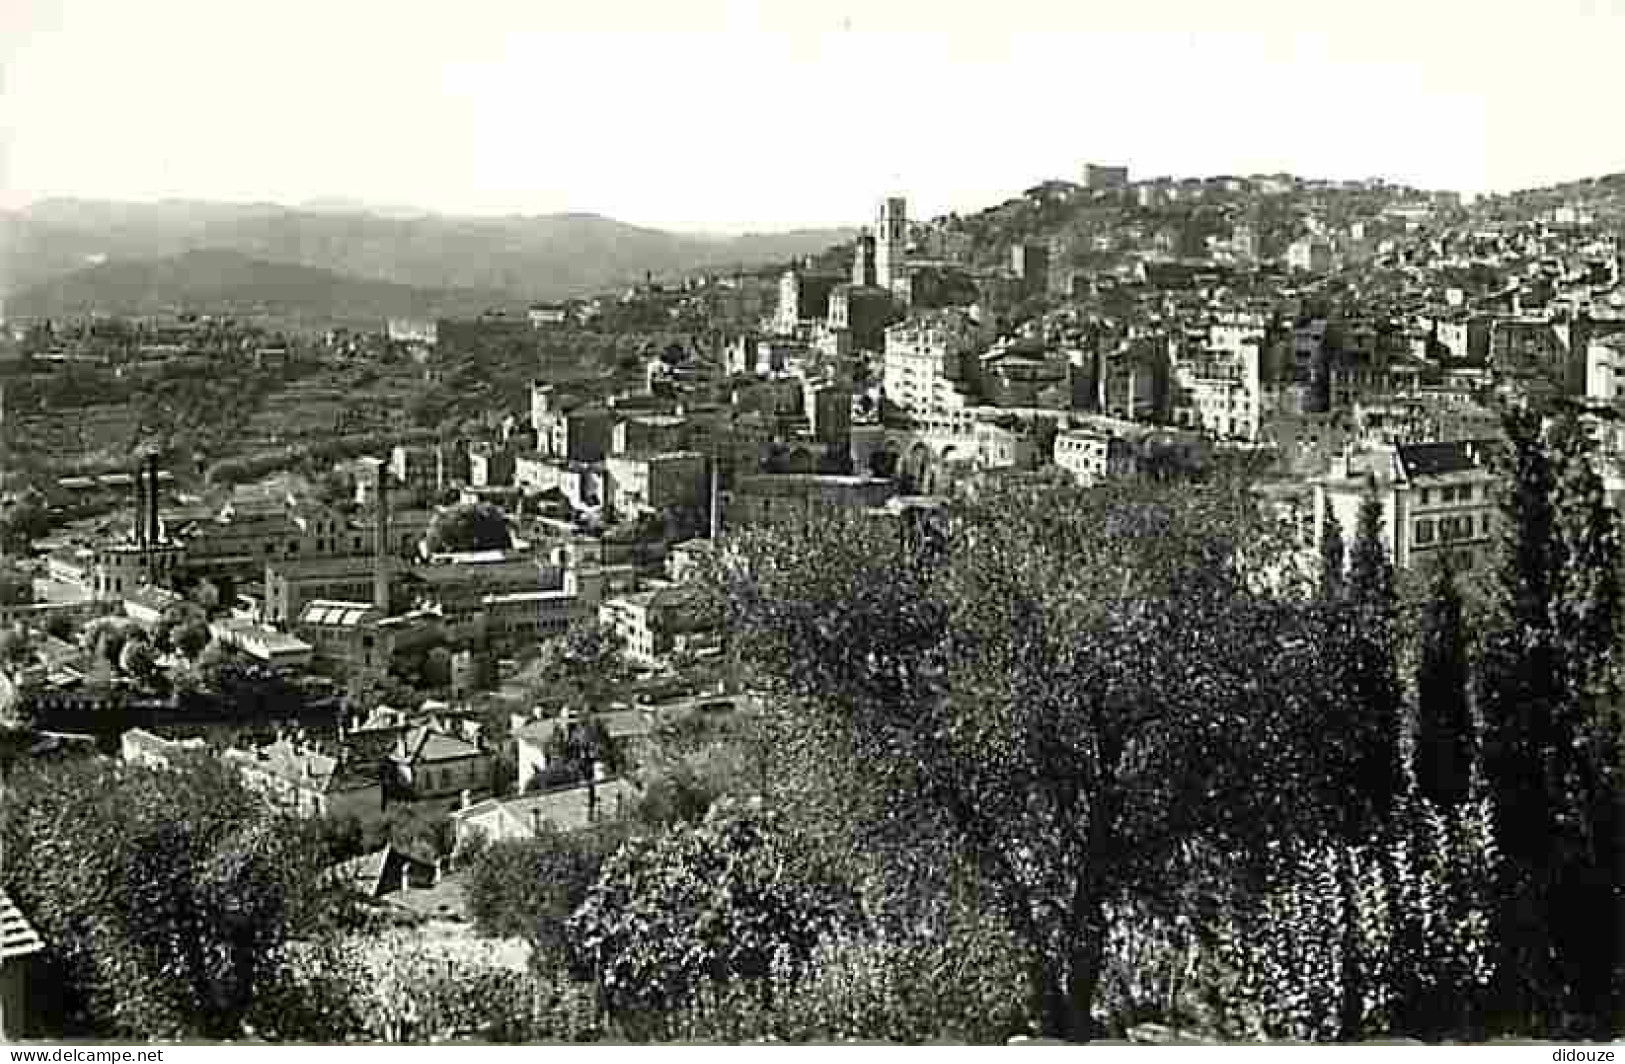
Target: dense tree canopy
[706,904]
[469,526]
[163,896]
[1086,694]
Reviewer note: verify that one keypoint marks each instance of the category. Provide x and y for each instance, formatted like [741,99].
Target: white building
[1435,498]
[1309,255]
[928,368]
[1605,368]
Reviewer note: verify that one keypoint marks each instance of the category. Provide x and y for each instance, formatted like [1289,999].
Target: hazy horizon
[721,117]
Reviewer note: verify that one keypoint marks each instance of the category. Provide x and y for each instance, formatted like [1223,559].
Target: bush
[969,988]
[391,989]
[719,903]
[163,896]
[528,889]
[1357,941]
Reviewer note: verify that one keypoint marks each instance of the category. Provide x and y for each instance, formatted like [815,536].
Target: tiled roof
[17,937]
[423,744]
[564,810]
[361,873]
[307,769]
[1439,459]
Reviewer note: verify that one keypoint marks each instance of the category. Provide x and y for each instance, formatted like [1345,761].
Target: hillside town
[446,585]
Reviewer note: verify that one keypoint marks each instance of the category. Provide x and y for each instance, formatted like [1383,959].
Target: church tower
[891,235]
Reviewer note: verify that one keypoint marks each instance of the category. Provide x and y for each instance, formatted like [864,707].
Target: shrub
[1353,941]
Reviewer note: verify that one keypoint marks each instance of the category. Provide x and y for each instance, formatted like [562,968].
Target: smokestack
[380,561]
[138,525]
[152,498]
[716,508]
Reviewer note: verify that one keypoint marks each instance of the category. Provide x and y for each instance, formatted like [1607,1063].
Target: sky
[726,116]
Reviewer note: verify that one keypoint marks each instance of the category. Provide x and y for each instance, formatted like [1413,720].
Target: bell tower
[891,236]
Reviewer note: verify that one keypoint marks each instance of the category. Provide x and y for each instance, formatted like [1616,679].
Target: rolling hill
[233,283]
[530,258]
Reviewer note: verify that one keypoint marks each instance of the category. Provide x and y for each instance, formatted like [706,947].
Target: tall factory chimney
[152,498]
[716,502]
[138,521]
[380,557]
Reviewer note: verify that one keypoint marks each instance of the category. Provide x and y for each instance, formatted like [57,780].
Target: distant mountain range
[546,257]
[228,282]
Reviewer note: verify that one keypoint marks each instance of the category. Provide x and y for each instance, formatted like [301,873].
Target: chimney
[380,570]
[139,524]
[152,498]
[716,505]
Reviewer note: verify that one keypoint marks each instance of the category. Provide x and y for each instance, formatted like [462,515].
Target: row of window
[1446,529]
[1461,493]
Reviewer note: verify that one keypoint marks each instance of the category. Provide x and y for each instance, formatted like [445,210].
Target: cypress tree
[1551,753]
[1585,908]
[1373,674]
[1442,758]
[1331,554]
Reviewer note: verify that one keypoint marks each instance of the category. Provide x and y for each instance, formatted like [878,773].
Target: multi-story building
[1030,263]
[653,482]
[930,365]
[262,643]
[307,781]
[356,635]
[891,242]
[582,483]
[567,430]
[656,624]
[1311,254]
[1093,455]
[1009,445]
[864,271]
[804,297]
[862,313]
[649,433]
[801,497]
[1435,498]
[290,584]
[428,763]
[828,409]
[413,331]
[1098,178]
[1020,377]
[490,466]
[1605,369]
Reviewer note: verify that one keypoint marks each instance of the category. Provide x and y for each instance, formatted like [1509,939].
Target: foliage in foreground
[163,896]
[702,905]
[1086,694]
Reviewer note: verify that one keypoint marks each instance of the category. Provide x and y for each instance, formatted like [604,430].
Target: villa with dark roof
[429,763]
[1435,497]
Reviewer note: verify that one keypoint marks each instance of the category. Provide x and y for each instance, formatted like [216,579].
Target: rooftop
[300,765]
[1441,459]
[338,614]
[17,937]
[423,743]
[564,810]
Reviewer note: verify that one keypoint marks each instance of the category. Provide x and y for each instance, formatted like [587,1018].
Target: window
[1427,496]
[1483,524]
[1424,531]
